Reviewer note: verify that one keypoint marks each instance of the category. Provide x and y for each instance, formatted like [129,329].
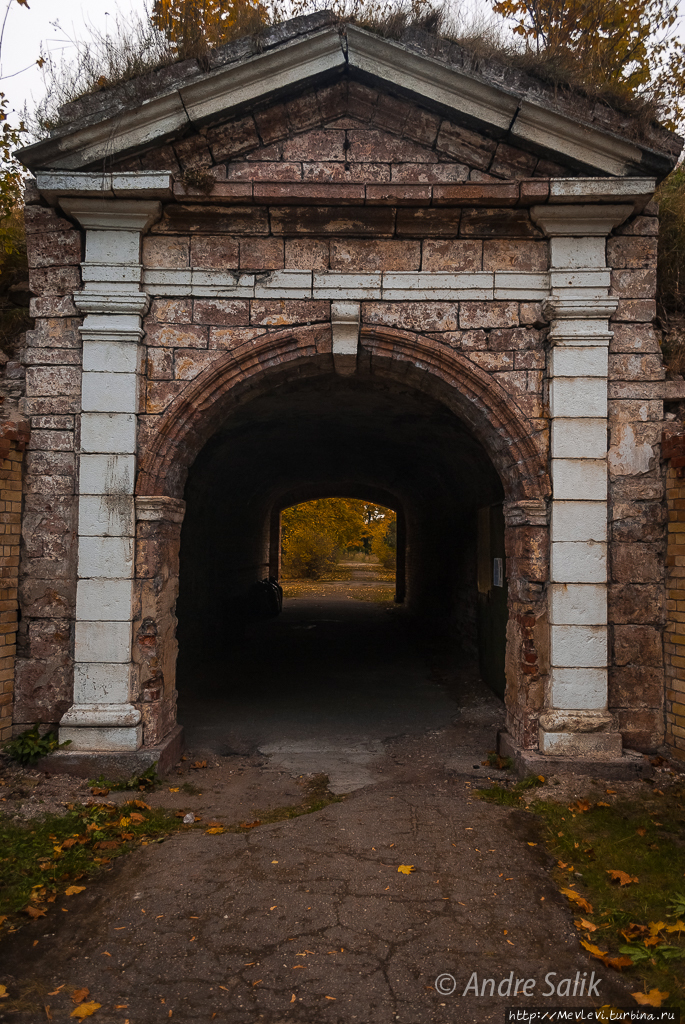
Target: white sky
[28,32]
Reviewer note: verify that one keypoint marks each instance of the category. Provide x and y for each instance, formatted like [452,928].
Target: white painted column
[576,718]
[102,716]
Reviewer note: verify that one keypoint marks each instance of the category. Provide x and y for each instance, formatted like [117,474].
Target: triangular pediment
[313,74]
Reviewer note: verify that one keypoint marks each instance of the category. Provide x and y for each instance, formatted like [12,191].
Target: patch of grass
[147,780]
[43,858]
[511,796]
[644,838]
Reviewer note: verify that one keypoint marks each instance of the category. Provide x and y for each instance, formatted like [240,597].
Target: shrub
[309,555]
[30,746]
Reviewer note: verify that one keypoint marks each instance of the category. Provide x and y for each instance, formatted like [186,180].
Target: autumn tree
[315,533]
[626,46]
[195,26]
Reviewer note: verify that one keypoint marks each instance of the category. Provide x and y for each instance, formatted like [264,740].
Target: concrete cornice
[498,110]
[52,185]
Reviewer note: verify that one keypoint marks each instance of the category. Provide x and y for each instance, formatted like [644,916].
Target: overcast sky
[28,32]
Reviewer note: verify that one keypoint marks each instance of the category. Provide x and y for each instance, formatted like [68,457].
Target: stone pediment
[480,99]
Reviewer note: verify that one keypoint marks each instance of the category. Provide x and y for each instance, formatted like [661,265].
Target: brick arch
[405,356]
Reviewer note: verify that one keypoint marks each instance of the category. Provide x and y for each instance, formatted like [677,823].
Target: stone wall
[674,636]
[47,571]
[637,514]
[13,438]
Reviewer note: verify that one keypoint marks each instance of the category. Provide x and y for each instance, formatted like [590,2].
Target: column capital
[557,308]
[112,214]
[579,219]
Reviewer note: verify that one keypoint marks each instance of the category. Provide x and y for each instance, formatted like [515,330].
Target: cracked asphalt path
[309,920]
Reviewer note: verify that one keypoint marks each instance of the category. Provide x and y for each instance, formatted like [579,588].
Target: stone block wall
[674,635]
[637,514]
[13,438]
[47,571]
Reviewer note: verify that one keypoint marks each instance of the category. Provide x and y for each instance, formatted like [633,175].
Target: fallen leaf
[249,824]
[406,869]
[174,789]
[611,792]
[642,831]
[575,897]
[292,998]
[594,950]
[74,890]
[48,1015]
[587,925]
[199,764]
[532,844]
[679,926]
[333,998]
[299,967]
[3,918]
[541,778]
[68,843]
[580,806]
[96,791]
[79,995]
[618,962]
[35,912]
[57,991]
[4,994]
[622,877]
[137,818]
[85,1010]
[217,830]
[653,998]
[603,803]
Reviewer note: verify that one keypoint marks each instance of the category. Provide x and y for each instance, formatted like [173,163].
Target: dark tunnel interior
[333,436]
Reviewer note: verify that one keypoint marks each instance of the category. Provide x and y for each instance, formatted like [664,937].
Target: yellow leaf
[3,992]
[602,803]
[85,1010]
[575,897]
[587,925]
[532,844]
[214,831]
[3,918]
[123,822]
[174,789]
[406,869]
[622,877]
[653,998]
[74,890]
[137,818]
[679,926]
[656,926]
[595,950]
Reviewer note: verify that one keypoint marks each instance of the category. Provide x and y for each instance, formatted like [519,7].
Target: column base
[573,733]
[626,765]
[102,727]
[114,765]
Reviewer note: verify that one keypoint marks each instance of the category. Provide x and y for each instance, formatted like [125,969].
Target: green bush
[30,746]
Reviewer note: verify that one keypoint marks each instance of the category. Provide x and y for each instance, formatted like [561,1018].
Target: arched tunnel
[321,436]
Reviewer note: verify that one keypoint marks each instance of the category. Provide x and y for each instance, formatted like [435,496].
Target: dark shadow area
[333,436]
[330,670]
[329,665]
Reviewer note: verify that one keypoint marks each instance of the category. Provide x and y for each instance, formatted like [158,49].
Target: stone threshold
[631,765]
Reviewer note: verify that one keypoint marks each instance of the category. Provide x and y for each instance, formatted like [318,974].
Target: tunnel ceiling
[343,436]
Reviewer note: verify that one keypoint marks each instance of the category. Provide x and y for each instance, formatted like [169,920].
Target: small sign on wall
[497,572]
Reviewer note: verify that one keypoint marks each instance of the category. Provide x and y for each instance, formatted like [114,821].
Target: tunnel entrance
[333,436]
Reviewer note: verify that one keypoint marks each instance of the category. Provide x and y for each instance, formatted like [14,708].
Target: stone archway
[391,355]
